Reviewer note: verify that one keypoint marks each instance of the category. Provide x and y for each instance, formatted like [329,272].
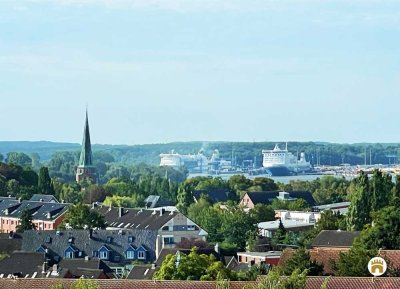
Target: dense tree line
[317,153]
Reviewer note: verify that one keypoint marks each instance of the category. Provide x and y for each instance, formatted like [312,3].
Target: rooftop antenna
[286,145]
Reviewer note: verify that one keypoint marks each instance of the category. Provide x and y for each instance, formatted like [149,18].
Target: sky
[156,71]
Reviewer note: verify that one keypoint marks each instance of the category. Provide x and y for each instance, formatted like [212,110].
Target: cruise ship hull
[277,171]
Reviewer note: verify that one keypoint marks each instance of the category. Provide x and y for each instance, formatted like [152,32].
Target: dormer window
[130,239]
[130,253]
[70,252]
[109,239]
[104,253]
[141,253]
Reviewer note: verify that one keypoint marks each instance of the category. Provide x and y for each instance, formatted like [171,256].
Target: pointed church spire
[85,169]
[85,159]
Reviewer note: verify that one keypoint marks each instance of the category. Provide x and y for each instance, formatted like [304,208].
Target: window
[130,239]
[130,255]
[165,228]
[104,255]
[168,240]
[141,255]
[48,240]
[69,255]
[109,239]
[95,253]
[191,228]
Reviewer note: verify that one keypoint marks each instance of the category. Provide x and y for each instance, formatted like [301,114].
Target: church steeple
[85,169]
[85,159]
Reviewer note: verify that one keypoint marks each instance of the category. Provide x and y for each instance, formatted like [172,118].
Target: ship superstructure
[282,162]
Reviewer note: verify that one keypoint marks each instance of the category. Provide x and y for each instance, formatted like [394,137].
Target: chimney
[86,258]
[120,212]
[216,248]
[55,268]
[62,201]
[153,266]
[19,200]
[41,200]
[44,267]
[159,246]
[48,215]
[162,212]
[90,233]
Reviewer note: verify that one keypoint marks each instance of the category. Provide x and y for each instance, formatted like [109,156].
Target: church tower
[85,169]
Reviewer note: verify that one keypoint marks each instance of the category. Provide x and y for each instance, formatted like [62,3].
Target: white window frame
[130,255]
[141,255]
[103,255]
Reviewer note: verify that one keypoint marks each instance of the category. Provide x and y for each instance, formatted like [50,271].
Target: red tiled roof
[392,257]
[353,283]
[312,283]
[285,256]
[326,256]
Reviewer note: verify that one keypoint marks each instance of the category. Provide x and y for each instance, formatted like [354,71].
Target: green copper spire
[85,159]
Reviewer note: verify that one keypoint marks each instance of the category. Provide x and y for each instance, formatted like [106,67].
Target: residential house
[341,207]
[46,215]
[328,239]
[255,258]
[326,248]
[250,199]
[116,248]
[267,229]
[85,268]
[306,217]
[171,227]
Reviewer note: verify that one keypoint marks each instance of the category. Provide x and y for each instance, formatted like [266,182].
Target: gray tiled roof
[40,210]
[24,263]
[32,240]
[333,238]
[9,245]
[90,268]
[135,218]
[141,272]
[43,198]
[267,197]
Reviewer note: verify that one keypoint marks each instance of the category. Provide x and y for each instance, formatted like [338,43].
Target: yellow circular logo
[377,266]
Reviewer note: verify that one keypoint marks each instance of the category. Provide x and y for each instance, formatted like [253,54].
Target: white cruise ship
[194,163]
[281,162]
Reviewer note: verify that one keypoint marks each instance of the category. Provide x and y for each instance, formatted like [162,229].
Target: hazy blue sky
[167,70]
